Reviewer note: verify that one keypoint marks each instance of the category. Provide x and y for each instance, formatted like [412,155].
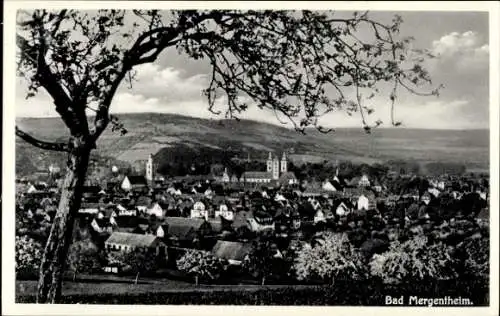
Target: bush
[413,260]
[84,256]
[333,258]
[201,264]
[28,257]
[134,261]
[474,257]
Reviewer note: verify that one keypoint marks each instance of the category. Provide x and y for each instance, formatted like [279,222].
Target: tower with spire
[284,164]
[270,163]
[150,169]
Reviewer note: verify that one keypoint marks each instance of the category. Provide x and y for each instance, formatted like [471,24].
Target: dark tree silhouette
[298,64]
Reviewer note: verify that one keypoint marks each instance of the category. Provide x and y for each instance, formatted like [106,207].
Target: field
[149,133]
[364,293]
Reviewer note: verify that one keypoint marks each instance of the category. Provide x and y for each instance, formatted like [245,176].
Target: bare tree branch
[40,143]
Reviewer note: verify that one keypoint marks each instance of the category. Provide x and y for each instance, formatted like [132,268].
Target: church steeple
[284,163]
[149,169]
[270,163]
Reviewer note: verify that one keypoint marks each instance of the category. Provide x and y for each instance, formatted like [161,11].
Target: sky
[173,84]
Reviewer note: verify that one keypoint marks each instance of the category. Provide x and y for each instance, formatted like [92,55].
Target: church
[276,171]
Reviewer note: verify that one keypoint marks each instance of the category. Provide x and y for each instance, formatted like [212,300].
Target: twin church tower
[277,167]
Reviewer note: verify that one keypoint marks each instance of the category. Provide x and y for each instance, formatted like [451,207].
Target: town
[228,217]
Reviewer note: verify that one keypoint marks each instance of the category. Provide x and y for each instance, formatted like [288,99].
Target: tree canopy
[299,64]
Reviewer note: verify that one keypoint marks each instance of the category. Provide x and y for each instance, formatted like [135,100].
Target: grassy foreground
[367,293]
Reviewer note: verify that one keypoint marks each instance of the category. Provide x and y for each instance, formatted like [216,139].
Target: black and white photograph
[250,154]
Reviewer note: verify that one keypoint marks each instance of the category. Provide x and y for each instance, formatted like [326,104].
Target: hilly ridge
[152,132]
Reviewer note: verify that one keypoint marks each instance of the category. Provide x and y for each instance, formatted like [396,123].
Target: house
[91,192]
[256,177]
[155,209]
[89,208]
[123,211]
[366,202]
[435,192]
[225,212]
[234,252]
[161,231]
[364,181]
[119,241]
[36,188]
[134,183]
[182,229]
[199,210]
[328,186]
[296,222]
[260,221]
[342,209]
[426,198]
[208,193]
[225,176]
[376,186]
[319,216]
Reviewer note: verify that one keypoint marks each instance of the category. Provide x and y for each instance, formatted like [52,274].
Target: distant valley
[152,132]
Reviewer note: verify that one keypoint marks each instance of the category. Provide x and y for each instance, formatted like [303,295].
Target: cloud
[167,83]
[466,51]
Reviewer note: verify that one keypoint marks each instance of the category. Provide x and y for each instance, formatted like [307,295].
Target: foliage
[265,260]
[331,259]
[474,253]
[84,256]
[134,261]
[201,264]
[413,260]
[28,256]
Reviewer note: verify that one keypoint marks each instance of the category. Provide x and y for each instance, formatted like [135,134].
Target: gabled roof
[129,239]
[137,180]
[126,221]
[181,227]
[231,250]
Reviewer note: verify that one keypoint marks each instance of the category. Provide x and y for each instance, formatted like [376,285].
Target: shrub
[333,258]
[473,256]
[413,260]
[84,256]
[28,257]
[133,261]
[201,264]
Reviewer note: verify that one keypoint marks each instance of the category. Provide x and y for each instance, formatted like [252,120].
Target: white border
[8,285]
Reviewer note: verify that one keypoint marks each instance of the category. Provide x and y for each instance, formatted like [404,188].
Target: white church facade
[276,171]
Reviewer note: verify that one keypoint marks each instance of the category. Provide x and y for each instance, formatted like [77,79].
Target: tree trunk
[136,278]
[60,238]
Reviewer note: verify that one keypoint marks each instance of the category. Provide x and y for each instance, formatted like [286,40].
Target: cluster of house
[149,212]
